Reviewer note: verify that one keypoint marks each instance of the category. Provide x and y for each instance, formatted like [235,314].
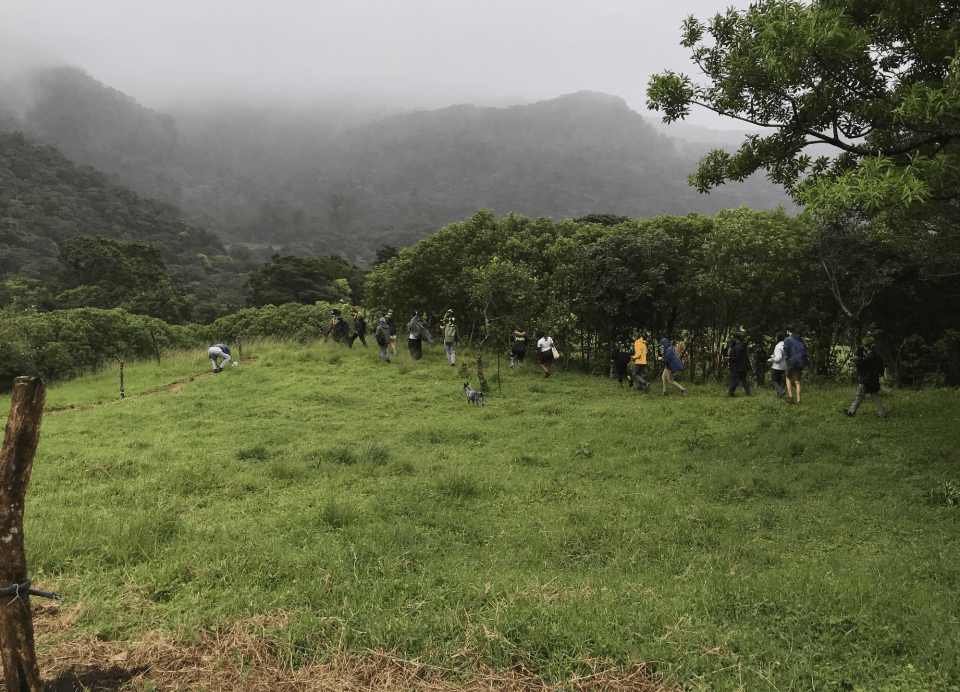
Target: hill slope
[307,178]
[45,198]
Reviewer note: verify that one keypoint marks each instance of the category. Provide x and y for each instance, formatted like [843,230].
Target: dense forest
[338,181]
[70,238]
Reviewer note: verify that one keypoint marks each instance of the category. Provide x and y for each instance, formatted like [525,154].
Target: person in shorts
[795,352]
[544,353]
[518,345]
[671,364]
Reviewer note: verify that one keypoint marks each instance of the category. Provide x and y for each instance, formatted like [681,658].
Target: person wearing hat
[518,345]
[359,328]
[451,339]
[221,351]
[339,326]
[392,326]
[739,366]
[870,369]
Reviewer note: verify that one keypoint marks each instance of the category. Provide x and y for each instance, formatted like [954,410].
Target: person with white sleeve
[221,351]
[778,366]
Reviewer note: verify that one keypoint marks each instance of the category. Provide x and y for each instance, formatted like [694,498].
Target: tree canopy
[861,99]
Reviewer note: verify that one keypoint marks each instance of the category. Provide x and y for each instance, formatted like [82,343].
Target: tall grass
[734,544]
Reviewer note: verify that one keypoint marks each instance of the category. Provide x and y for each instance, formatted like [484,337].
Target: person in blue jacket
[671,364]
[221,351]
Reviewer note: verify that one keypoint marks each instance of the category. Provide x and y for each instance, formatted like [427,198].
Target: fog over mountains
[346,177]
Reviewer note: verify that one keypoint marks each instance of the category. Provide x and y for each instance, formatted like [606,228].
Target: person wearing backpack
[451,339]
[359,328]
[382,335]
[795,352]
[870,369]
[671,364]
[620,352]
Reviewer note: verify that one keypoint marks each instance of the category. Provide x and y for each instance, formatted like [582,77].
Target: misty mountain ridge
[346,178]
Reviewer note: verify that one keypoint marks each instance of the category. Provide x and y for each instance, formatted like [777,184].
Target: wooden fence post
[121,375]
[20,439]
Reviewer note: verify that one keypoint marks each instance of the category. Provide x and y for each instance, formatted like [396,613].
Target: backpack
[796,352]
[381,338]
[450,333]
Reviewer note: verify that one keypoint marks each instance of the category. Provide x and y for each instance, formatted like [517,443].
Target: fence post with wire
[21,436]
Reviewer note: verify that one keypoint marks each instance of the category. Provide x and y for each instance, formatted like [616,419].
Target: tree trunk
[20,670]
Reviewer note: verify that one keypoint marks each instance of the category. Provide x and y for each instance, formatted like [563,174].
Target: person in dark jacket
[739,366]
[339,327]
[671,364]
[869,371]
[620,352]
[359,328]
[417,335]
[221,351]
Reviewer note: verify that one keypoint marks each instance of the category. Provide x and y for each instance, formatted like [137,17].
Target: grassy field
[733,544]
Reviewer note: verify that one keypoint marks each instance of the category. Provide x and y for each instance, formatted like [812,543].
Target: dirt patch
[174,388]
[236,659]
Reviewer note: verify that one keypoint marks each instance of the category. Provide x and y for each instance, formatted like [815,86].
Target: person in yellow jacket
[639,362]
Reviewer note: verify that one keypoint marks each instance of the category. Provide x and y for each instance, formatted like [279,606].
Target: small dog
[473,396]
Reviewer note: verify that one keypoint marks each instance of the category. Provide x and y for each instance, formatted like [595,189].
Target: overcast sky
[430,53]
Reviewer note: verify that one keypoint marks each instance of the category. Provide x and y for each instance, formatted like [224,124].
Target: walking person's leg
[882,412]
[745,381]
[857,400]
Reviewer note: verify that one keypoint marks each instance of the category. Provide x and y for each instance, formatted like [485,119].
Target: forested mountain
[46,199]
[333,181]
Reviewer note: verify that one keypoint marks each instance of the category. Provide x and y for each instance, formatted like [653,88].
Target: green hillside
[334,181]
[565,526]
[45,199]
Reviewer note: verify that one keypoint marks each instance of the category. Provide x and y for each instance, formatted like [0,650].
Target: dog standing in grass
[473,396]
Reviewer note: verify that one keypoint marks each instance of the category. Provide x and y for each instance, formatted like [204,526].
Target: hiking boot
[683,391]
[847,413]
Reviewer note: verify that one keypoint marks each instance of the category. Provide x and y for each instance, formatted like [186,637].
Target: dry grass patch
[234,658]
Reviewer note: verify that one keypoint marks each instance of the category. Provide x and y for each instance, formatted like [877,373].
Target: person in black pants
[620,352]
[870,369]
[359,328]
[739,366]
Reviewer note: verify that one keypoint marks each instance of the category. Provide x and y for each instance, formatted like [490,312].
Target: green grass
[734,544]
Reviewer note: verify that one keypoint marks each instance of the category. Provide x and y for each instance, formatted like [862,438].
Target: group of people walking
[787,362]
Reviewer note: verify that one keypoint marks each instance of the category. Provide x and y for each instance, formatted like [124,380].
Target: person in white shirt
[778,365]
[545,353]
